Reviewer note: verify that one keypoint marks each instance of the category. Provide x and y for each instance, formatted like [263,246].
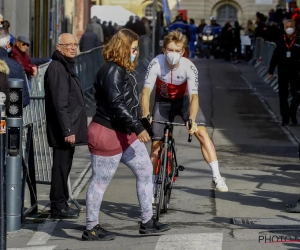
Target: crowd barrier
[262,55]
[34,119]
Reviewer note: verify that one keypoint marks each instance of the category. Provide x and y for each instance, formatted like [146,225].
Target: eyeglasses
[135,49]
[69,45]
[25,44]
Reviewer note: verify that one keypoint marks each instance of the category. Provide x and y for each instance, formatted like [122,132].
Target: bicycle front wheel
[161,185]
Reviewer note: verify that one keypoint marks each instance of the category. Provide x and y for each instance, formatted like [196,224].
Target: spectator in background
[111,30]
[139,27]
[1,19]
[105,30]
[129,24]
[193,37]
[66,121]
[6,25]
[116,27]
[286,57]
[227,40]
[201,26]
[89,40]
[147,25]
[4,86]
[272,16]
[97,28]
[249,31]
[237,41]
[19,53]
[261,27]
[15,68]
[273,33]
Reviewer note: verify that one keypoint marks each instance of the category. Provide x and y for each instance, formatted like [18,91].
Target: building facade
[241,10]
[44,20]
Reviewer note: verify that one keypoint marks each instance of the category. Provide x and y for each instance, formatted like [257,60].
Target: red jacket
[23,58]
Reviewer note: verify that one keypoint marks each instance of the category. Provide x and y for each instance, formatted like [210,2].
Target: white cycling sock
[214,166]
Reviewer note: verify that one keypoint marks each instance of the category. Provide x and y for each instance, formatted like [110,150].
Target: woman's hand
[144,136]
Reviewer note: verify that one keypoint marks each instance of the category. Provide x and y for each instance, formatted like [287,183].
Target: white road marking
[43,233]
[202,241]
[34,248]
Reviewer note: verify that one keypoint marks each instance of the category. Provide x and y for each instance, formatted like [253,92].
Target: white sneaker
[218,183]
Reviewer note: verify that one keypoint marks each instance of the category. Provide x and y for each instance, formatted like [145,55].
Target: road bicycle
[167,167]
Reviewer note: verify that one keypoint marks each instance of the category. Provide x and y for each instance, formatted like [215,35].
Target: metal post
[153,26]
[14,123]
[2,174]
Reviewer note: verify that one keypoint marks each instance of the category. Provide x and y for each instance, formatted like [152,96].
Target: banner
[184,14]
[167,12]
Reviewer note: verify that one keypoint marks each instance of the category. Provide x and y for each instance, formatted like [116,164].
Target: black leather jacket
[117,99]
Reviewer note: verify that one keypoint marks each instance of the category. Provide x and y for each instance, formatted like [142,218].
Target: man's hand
[70,139]
[144,136]
[271,77]
[194,127]
[34,71]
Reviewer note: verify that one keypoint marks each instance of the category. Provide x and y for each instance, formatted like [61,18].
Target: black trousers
[287,110]
[62,163]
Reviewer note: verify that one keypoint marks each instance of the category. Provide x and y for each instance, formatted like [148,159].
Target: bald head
[67,45]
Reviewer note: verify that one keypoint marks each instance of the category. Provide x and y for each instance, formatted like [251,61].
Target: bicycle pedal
[181,168]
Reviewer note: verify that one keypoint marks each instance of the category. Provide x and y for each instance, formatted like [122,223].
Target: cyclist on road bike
[176,81]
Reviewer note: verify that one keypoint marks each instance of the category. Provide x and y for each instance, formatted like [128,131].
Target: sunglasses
[25,44]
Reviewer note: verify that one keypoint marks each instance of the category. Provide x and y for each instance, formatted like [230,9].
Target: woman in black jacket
[116,135]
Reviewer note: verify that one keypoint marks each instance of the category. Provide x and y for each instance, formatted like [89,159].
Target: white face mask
[173,58]
[290,31]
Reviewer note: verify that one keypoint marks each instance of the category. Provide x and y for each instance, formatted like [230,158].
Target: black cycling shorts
[164,110]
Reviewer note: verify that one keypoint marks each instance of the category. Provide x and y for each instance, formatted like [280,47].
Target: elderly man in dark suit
[66,121]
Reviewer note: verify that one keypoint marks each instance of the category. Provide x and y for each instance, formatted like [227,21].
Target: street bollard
[14,123]
[2,173]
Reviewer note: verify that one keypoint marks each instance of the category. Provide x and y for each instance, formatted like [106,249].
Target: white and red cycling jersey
[172,84]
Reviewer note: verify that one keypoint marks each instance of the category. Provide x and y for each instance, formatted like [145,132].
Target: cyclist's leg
[137,159]
[207,147]
[161,112]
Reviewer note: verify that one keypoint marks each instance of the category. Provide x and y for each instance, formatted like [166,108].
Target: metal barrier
[262,55]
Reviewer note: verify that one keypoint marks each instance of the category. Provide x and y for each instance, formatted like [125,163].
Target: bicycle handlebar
[190,124]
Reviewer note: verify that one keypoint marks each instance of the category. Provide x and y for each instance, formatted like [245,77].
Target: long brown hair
[118,49]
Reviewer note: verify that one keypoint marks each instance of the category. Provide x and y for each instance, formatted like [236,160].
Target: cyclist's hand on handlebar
[193,129]
[144,136]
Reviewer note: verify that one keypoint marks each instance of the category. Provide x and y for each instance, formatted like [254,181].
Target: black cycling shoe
[153,226]
[98,233]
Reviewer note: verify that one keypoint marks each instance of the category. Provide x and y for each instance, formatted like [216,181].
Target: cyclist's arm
[146,101]
[194,106]
[150,79]
[192,80]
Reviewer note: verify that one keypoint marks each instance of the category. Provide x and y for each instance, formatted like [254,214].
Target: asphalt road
[257,156]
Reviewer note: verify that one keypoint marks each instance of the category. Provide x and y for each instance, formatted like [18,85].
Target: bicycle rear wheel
[160,185]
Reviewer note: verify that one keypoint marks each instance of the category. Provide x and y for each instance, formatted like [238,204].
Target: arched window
[148,10]
[226,13]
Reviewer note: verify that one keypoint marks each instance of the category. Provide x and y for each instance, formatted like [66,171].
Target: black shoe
[64,214]
[153,226]
[73,210]
[98,233]
[284,123]
[294,121]
[294,208]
